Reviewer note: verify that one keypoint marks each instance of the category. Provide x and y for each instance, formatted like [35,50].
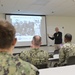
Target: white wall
[67,22]
[2,16]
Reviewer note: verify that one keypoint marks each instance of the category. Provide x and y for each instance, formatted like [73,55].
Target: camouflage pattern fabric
[35,56]
[65,52]
[10,65]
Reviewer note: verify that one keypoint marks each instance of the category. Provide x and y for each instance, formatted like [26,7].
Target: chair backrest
[16,54]
[71,60]
[42,66]
[56,51]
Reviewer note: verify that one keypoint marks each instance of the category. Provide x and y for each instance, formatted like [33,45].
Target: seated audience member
[35,55]
[10,65]
[67,50]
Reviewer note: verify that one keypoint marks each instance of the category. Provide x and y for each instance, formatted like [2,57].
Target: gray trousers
[57,46]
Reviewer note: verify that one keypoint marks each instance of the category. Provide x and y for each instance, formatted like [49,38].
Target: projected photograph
[26,27]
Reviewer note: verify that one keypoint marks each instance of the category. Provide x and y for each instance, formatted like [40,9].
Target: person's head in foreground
[10,65]
[36,41]
[57,29]
[67,38]
[7,36]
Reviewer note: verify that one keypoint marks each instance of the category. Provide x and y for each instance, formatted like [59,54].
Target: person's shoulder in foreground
[29,68]
[15,66]
[10,65]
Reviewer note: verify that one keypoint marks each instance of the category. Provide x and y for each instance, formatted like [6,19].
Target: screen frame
[30,15]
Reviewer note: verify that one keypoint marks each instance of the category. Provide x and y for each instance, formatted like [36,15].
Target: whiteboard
[51,31]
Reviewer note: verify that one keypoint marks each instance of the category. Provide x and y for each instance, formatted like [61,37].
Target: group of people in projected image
[27,28]
[24,28]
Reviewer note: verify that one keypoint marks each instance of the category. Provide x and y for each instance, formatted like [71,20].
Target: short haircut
[7,34]
[57,28]
[37,40]
[68,37]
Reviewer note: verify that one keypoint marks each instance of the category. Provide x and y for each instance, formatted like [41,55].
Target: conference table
[52,61]
[65,70]
[55,57]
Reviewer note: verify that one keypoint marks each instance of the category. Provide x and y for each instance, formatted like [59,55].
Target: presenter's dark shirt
[58,37]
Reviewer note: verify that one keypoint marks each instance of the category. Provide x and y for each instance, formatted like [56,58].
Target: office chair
[16,54]
[71,60]
[42,66]
[56,51]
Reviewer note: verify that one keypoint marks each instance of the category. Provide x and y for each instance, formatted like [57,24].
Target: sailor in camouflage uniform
[10,65]
[67,50]
[35,55]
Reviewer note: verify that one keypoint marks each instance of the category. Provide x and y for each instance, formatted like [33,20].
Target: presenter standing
[57,36]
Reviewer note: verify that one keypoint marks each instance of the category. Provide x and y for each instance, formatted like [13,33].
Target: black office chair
[16,54]
[42,66]
[71,60]
[56,51]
